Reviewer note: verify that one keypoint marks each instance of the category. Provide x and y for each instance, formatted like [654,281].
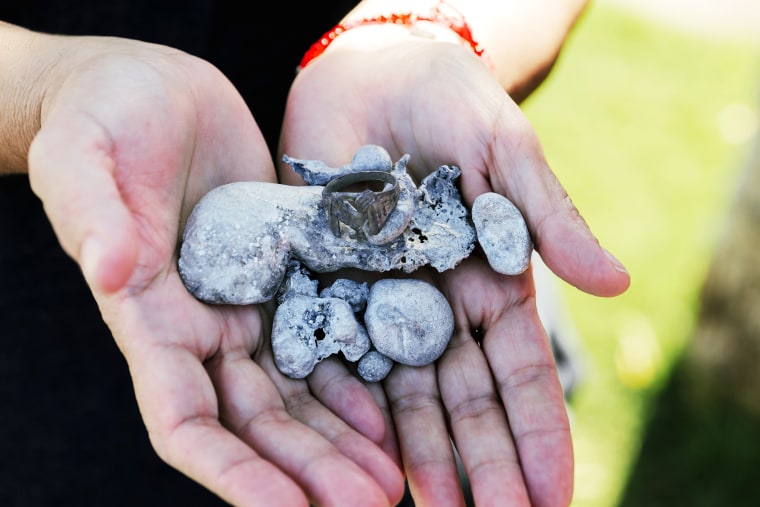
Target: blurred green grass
[643,126]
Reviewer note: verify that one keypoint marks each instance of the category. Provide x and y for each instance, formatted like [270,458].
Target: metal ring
[355,209]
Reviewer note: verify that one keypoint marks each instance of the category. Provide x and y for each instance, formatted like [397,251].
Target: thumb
[72,170]
[561,235]
[573,253]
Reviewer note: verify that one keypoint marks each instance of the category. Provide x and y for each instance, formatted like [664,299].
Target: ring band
[355,209]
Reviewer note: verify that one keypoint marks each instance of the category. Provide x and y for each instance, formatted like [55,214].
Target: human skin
[121,138]
[433,98]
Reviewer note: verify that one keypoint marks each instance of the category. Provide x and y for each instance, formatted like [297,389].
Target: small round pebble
[502,233]
[408,320]
[371,157]
[374,366]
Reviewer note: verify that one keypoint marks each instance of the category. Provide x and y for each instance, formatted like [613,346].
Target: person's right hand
[495,391]
[130,136]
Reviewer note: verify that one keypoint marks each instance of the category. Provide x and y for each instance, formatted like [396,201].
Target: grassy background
[647,128]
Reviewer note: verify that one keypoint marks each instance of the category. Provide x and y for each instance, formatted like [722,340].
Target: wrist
[521,39]
[22,86]
[435,20]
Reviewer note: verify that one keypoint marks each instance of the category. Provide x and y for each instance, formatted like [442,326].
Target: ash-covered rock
[374,366]
[240,237]
[367,158]
[408,320]
[249,242]
[403,320]
[352,292]
[502,233]
[306,330]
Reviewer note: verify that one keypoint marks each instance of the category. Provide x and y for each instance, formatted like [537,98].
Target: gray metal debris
[240,237]
[306,330]
[249,242]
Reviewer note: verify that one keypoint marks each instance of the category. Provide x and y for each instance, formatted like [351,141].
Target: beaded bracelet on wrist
[441,14]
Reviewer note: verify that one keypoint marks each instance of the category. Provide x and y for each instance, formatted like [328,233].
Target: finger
[179,406]
[390,442]
[369,456]
[340,391]
[211,455]
[521,362]
[72,171]
[426,448]
[559,232]
[475,410]
[335,464]
[530,387]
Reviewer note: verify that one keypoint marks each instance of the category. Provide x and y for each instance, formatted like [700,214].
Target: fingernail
[616,263]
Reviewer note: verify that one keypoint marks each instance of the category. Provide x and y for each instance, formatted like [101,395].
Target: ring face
[355,209]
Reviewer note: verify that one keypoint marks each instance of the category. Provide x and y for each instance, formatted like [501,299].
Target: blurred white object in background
[559,326]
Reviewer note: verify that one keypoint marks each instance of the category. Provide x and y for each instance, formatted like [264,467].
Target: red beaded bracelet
[451,19]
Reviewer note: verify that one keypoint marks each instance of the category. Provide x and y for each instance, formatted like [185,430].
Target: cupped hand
[495,391]
[132,136]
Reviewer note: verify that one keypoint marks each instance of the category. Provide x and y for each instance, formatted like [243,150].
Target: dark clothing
[258,53]
[70,431]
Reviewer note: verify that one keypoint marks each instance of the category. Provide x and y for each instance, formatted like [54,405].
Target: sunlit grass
[647,129]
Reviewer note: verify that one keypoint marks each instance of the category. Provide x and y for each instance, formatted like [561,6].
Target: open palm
[495,391]
[132,136]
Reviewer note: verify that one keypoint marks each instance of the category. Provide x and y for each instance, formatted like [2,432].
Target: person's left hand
[495,391]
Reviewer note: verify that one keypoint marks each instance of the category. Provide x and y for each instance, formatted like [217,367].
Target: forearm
[521,38]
